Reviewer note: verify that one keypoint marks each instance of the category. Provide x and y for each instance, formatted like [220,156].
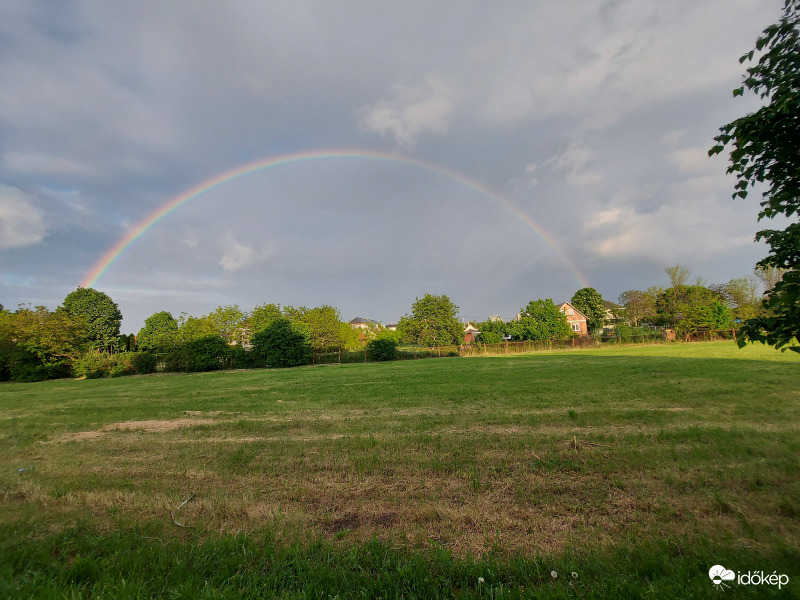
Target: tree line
[82,336]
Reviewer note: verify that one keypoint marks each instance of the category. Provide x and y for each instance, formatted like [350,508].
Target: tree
[590,303]
[323,324]
[160,332]
[492,331]
[194,328]
[433,322]
[263,315]
[541,320]
[741,297]
[100,312]
[766,150]
[678,274]
[639,306]
[39,344]
[283,344]
[228,323]
[768,276]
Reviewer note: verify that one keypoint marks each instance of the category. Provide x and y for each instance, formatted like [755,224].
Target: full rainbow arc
[125,242]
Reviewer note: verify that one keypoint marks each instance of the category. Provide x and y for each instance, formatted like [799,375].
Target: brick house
[575,318]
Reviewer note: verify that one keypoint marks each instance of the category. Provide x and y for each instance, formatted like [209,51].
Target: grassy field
[635,468]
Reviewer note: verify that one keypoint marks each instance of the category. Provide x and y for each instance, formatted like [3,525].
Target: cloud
[575,160]
[239,255]
[44,164]
[412,111]
[689,223]
[695,160]
[21,223]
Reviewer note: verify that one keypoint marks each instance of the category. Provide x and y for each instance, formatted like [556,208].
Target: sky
[496,152]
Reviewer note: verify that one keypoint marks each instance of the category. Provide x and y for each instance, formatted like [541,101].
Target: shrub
[207,353]
[96,364]
[93,365]
[241,358]
[143,362]
[282,344]
[382,349]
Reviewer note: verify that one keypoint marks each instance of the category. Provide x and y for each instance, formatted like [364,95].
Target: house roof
[563,304]
[360,321]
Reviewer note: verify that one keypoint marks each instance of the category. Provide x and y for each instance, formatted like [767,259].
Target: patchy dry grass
[548,453]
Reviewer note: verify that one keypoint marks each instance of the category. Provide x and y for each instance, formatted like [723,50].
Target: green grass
[636,467]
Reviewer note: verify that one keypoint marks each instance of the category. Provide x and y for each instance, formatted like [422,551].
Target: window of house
[576,327]
[571,312]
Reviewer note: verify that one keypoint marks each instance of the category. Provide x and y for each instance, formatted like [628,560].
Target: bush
[382,349]
[93,365]
[282,344]
[207,353]
[96,364]
[241,358]
[143,362]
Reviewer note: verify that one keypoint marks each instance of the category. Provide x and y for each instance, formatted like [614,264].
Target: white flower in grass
[574,575]
[480,580]
[553,574]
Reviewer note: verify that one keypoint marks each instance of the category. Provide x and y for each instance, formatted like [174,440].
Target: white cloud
[575,160]
[21,223]
[239,255]
[413,111]
[696,160]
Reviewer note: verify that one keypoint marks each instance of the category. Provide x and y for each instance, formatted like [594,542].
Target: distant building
[575,318]
[471,333]
[360,323]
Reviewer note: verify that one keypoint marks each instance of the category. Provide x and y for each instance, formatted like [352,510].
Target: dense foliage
[589,301]
[765,151]
[433,322]
[382,349]
[100,313]
[282,344]
[540,320]
[160,332]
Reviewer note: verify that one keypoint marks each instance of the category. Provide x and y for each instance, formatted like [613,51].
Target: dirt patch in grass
[150,426]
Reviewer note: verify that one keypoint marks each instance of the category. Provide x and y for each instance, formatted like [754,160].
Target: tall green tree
[263,315]
[323,324]
[765,151]
[639,306]
[741,296]
[99,311]
[194,328]
[541,320]
[589,301]
[159,333]
[229,323]
[433,322]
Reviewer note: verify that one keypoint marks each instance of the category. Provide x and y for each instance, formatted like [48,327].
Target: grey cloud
[21,223]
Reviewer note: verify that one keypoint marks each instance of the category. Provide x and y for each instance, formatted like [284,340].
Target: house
[614,312]
[359,323]
[575,318]
[471,333]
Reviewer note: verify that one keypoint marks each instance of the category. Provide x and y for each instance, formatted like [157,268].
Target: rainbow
[125,242]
